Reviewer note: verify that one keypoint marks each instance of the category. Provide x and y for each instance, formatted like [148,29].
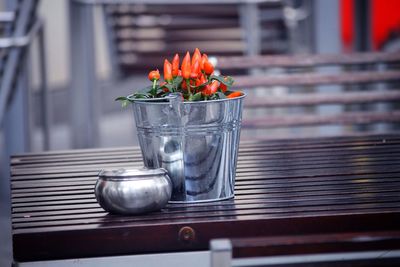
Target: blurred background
[62,64]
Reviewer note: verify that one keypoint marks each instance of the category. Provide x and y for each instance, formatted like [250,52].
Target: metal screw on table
[186,234]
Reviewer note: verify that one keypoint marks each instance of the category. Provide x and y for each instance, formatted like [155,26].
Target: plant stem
[188,86]
[154,87]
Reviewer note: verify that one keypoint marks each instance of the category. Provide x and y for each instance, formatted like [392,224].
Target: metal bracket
[24,41]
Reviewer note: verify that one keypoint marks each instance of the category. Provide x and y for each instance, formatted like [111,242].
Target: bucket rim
[163,101]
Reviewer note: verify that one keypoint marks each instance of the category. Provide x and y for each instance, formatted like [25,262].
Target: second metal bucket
[196,142]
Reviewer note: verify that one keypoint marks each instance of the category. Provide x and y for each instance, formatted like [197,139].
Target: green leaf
[159,91]
[220,95]
[196,97]
[122,98]
[141,95]
[125,103]
[176,83]
[227,80]
[200,86]
[168,86]
[227,92]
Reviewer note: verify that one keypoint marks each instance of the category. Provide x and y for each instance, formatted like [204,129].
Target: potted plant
[189,124]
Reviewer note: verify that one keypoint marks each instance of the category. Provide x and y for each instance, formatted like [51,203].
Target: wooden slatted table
[285,187]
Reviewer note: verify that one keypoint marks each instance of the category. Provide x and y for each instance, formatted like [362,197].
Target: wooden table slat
[245,159]
[210,214]
[273,145]
[91,199]
[260,181]
[254,159]
[171,212]
[97,213]
[295,191]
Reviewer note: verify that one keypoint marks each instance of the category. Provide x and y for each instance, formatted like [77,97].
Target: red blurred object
[385,19]
[347,26]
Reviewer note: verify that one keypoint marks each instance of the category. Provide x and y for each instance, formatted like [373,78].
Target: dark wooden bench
[359,81]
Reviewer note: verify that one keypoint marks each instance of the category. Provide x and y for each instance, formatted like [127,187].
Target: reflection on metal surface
[196,142]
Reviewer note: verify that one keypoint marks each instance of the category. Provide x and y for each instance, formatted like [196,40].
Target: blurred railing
[20,30]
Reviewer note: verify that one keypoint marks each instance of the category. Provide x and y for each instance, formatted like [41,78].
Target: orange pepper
[195,69]
[214,86]
[154,75]
[208,68]
[235,94]
[223,87]
[204,58]
[211,88]
[184,86]
[186,67]
[165,89]
[167,71]
[175,65]
[200,80]
[196,56]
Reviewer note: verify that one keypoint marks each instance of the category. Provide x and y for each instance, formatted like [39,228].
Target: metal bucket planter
[196,142]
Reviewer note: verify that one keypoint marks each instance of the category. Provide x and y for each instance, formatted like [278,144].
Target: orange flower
[201,80]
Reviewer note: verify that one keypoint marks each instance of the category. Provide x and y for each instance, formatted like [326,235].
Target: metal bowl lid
[130,173]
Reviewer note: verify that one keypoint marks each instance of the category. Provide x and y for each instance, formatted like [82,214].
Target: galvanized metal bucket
[196,142]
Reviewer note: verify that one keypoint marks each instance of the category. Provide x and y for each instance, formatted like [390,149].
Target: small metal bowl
[133,191]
